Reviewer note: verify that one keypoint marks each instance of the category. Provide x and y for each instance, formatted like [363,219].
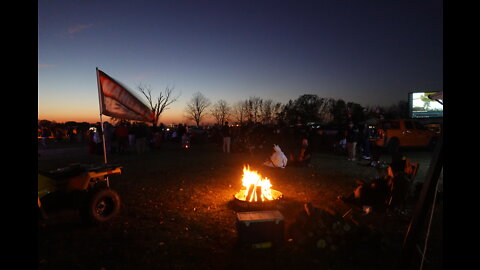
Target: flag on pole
[117,101]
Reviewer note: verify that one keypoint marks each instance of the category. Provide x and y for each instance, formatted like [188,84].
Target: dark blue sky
[369,52]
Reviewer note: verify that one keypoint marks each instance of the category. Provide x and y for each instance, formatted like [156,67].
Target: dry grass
[177,210]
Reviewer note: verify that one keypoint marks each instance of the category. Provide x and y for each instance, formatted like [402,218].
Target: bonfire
[255,188]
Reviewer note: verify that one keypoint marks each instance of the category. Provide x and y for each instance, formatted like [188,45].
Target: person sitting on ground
[302,156]
[277,159]
[374,194]
[383,192]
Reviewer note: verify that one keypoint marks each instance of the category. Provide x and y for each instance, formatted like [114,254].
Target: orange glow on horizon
[94,118]
[62,113]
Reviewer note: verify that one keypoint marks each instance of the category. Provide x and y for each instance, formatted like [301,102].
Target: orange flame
[252,181]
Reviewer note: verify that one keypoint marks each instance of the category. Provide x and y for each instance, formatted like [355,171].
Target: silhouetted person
[157,137]
[365,142]
[91,141]
[351,135]
[121,133]
[108,131]
[301,156]
[388,191]
[226,135]
[97,138]
[181,130]
[140,138]
[131,136]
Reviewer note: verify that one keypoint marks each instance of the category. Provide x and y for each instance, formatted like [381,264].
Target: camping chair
[411,170]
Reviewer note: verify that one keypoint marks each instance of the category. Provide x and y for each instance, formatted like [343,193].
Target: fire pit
[256,192]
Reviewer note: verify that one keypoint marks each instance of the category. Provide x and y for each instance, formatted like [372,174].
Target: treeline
[305,109]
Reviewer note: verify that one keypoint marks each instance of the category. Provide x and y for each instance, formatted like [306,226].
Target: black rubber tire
[101,206]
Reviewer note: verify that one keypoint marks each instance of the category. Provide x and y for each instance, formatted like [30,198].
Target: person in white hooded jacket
[277,159]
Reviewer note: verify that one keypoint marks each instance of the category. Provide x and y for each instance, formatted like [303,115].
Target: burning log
[257,189]
[258,193]
[250,193]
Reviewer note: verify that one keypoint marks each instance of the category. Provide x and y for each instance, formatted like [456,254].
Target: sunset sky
[364,51]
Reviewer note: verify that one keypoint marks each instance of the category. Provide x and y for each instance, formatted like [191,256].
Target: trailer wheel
[101,206]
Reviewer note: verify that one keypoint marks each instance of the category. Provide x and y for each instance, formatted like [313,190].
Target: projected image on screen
[421,106]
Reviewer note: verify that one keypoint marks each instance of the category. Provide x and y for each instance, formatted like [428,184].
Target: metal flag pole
[101,121]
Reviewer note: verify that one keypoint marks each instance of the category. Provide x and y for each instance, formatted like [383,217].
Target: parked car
[405,133]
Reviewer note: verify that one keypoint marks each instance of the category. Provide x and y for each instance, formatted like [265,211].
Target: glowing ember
[256,189]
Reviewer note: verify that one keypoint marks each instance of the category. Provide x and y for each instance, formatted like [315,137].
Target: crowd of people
[297,142]
[124,138]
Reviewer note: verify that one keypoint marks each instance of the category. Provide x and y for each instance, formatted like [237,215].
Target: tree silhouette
[269,111]
[195,109]
[304,109]
[161,103]
[240,111]
[221,111]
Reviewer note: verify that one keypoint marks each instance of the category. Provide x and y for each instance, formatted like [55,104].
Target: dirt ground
[178,212]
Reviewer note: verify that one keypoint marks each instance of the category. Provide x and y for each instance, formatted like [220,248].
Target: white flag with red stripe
[117,101]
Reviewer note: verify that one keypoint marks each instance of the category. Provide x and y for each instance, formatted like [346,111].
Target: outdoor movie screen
[421,106]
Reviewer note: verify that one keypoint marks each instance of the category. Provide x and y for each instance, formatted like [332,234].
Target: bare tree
[220,111]
[277,109]
[195,109]
[254,109]
[269,111]
[240,111]
[161,103]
